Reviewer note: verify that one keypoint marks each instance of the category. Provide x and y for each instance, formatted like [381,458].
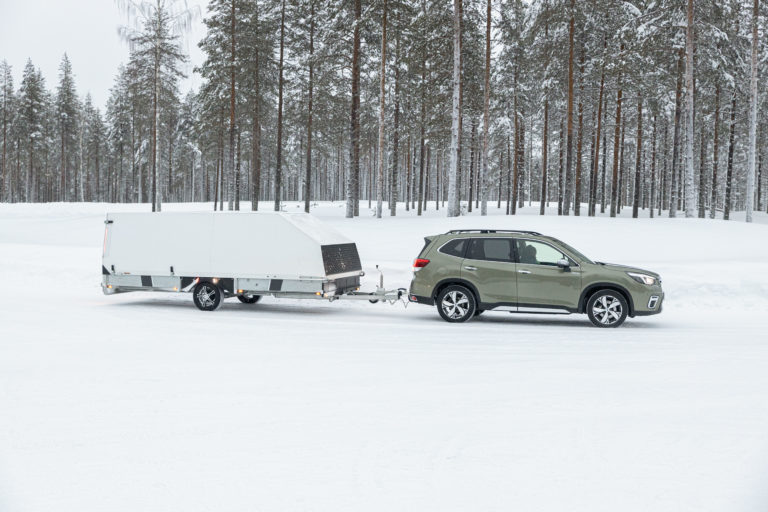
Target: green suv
[466,272]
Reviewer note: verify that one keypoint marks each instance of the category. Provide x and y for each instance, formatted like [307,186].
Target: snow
[142,402]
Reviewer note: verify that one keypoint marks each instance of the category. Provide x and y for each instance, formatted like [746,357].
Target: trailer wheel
[207,296]
[247,298]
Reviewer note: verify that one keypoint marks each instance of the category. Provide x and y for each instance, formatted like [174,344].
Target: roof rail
[492,231]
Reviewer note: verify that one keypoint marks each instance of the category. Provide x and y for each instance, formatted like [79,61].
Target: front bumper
[650,304]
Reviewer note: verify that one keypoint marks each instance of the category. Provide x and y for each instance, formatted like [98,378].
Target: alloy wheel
[455,304]
[607,310]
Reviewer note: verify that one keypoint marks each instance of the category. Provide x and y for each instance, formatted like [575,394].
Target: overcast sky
[86,30]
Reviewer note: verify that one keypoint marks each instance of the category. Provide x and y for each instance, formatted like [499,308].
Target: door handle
[524,271]
[470,268]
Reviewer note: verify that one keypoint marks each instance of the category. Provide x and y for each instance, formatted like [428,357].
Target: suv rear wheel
[456,303]
[607,308]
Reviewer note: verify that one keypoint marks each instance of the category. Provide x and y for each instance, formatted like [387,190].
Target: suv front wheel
[607,308]
[456,303]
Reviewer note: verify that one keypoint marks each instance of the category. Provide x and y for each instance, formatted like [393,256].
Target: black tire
[207,296]
[479,312]
[246,298]
[456,303]
[607,308]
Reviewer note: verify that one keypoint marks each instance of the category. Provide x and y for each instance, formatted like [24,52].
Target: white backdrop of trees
[595,105]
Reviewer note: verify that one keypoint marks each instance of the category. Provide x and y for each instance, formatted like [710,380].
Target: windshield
[573,251]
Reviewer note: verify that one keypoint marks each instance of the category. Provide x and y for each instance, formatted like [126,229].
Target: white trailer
[231,254]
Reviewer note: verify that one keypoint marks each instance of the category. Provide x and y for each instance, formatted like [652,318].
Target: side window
[538,253]
[455,247]
[491,249]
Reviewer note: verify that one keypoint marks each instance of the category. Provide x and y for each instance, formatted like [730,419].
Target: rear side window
[491,249]
[427,241]
[454,247]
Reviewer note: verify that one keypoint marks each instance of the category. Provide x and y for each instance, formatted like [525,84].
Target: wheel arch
[595,287]
[455,280]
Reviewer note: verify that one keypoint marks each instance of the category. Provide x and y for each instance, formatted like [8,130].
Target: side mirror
[564,264]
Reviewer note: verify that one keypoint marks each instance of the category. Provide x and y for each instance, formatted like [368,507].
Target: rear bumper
[421,300]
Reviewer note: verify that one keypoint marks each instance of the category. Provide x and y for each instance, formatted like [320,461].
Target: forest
[591,107]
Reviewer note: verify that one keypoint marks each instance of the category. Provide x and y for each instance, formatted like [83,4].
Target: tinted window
[538,253]
[491,249]
[455,247]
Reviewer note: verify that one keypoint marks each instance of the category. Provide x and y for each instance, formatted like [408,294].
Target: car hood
[624,268]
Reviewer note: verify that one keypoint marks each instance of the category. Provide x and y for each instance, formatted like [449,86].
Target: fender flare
[455,280]
[589,290]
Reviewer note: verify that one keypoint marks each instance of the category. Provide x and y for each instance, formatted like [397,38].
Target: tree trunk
[232,42]
[472,140]
[561,175]
[382,98]
[482,179]
[520,158]
[689,112]
[729,171]
[237,174]
[510,201]
[616,137]
[408,175]
[422,124]
[622,187]
[750,191]
[544,154]
[604,158]
[515,163]
[308,176]
[453,174]
[545,129]
[256,165]
[353,188]
[593,180]
[715,157]
[653,169]
[638,157]
[676,140]
[569,119]
[702,179]
[155,85]
[579,140]
[279,156]
[393,195]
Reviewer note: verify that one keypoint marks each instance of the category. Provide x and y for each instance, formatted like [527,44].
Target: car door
[540,282]
[489,264]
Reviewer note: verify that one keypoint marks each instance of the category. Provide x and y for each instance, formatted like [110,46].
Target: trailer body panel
[258,253]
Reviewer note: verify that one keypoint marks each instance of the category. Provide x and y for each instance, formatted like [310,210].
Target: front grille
[340,258]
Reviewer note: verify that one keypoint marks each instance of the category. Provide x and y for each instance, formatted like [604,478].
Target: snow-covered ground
[140,402]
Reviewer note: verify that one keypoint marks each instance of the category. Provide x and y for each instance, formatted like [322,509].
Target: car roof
[491,231]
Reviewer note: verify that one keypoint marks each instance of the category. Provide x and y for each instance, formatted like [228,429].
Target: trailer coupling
[381,293]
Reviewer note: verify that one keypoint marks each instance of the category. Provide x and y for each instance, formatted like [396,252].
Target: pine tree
[8,108]
[31,112]
[750,188]
[157,48]
[66,106]
[453,173]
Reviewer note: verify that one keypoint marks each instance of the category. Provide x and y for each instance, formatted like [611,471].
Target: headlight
[642,278]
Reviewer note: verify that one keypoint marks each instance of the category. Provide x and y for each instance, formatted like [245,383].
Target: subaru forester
[467,272]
